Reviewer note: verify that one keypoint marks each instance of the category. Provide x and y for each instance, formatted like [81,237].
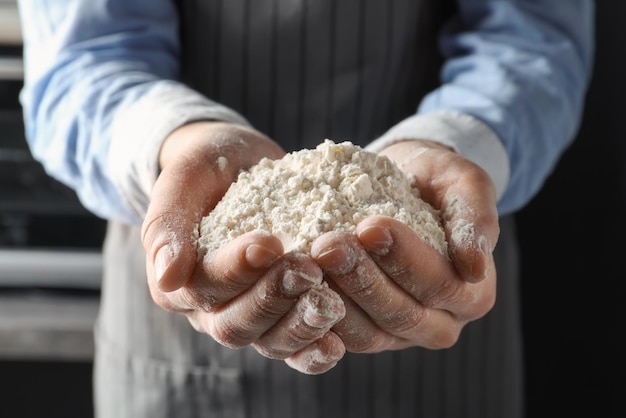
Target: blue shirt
[101,93]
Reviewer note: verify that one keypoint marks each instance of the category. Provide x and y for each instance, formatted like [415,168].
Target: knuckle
[448,291]
[235,277]
[261,310]
[304,334]
[156,229]
[288,341]
[364,286]
[266,304]
[268,351]
[227,335]
[445,338]
[365,344]
[197,300]
[168,301]
[405,322]
[148,228]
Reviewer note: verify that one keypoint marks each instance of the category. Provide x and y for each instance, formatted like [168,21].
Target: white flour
[310,192]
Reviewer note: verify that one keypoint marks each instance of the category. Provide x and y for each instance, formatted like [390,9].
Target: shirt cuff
[139,131]
[467,135]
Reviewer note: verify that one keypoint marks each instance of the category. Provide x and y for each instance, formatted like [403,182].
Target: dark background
[573,246]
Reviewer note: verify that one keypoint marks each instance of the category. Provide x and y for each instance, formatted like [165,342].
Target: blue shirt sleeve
[85,61]
[522,67]
[519,66]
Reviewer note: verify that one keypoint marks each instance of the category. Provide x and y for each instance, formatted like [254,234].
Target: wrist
[188,136]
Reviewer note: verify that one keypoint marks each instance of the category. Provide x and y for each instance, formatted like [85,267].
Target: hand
[398,290]
[248,292]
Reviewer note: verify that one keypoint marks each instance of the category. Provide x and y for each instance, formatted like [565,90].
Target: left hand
[399,291]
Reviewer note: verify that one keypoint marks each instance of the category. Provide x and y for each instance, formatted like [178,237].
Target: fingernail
[259,256]
[162,262]
[377,239]
[322,307]
[337,260]
[295,282]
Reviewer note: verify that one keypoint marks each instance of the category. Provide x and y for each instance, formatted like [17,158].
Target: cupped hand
[199,162]
[463,193]
[398,290]
[248,292]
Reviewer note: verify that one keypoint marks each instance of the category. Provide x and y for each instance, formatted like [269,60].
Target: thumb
[472,235]
[170,251]
[170,229]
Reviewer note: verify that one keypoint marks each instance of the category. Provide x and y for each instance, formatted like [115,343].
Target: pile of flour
[313,191]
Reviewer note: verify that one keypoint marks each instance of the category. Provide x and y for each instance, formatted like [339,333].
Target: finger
[419,269]
[358,331]
[435,329]
[238,265]
[390,307]
[225,273]
[319,357]
[346,262]
[246,317]
[168,238]
[170,229]
[315,313]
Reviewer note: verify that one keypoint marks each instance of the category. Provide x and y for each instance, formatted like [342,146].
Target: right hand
[248,292]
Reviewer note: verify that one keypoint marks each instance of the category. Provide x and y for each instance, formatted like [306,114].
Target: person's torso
[302,71]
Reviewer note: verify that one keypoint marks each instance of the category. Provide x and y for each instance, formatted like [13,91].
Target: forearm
[100,96]
[520,69]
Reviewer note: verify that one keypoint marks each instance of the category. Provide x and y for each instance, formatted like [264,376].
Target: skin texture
[386,289]
[241,294]
[400,292]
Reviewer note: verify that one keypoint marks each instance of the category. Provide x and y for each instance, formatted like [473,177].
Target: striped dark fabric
[302,71]
[151,363]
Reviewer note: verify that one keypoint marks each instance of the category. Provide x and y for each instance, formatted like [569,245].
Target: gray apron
[302,71]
